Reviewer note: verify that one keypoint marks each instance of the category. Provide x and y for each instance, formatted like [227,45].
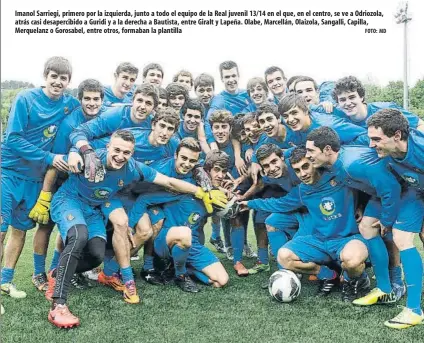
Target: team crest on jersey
[121,183]
[66,110]
[411,178]
[333,182]
[327,206]
[50,131]
[107,204]
[101,193]
[155,211]
[70,217]
[194,218]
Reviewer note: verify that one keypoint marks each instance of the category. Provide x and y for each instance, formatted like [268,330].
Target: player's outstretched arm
[291,202]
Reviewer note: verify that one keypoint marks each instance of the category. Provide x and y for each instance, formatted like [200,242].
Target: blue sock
[199,275]
[180,257]
[7,275]
[148,262]
[396,275]
[413,270]
[39,264]
[237,242]
[380,263]
[276,240]
[263,255]
[127,274]
[216,231]
[326,273]
[110,266]
[226,227]
[55,260]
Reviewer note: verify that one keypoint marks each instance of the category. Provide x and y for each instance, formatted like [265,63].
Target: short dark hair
[216,157]
[249,117]
[156,66]
[221,116]
[193,104]
[148,90]
[254,81]
[90,85]
[390,121]
[59,65]
[189,143]
[227,65]
[292,100]
[348,84]
[304,79]
[272,70]
[175,88]
[126,67]
[125,135]
[162,93]
[297,154]
[238,127]
[183,73]
[324,136]
[267,150]
[168,115]
[292,79]
[267,107]
[204,80]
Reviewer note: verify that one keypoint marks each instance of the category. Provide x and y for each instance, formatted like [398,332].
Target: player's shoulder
[29,95]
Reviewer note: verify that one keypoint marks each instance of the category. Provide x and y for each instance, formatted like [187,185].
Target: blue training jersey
[234,103]
[330,203]
[33,122]
[107,123]
[96,194]
[110,98]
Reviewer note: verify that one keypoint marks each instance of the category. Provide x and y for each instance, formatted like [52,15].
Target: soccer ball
[284,286]
[229,211]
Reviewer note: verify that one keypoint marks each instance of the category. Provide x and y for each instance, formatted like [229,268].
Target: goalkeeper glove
[40,212]
[94,170]
[214,197]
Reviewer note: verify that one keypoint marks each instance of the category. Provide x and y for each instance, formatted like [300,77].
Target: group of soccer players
[334,182]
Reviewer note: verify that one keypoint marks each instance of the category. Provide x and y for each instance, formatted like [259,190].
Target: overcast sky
[325,53]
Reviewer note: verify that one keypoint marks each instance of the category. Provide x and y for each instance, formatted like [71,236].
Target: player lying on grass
[334,234]
[76,210]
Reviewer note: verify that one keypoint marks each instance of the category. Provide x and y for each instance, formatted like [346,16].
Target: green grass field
[242,312]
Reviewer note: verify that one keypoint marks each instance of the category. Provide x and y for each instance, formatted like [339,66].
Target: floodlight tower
[402,17]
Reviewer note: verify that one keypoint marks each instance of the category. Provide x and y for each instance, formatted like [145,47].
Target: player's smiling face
[176,102]
[317,157]
[142,106]
[124,82]
[384,145]
[273,166]
[186,160]
[55,84]
[205,94]
[268,122]
[258,94]
[308,91]
[305,171]
[221,132]
[118,153]
[230,78]
[91,103]
[352,104]
[252,131]
[154,77]
[276,82]
[163,103]
[192,119]
[296,119]
[185,81]
[162,132]
[217,174]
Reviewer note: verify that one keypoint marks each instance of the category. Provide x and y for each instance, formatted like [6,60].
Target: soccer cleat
[168,275]
[230,253]
[218,244]
[11,290]
[241,269]
[130,293]
[112,281]
[40,282]
[259,267]
[399,289]
[80,282]
[135,257]
[376,296]
[61,317]
[405,319]
[355,288]
[248,251]
[186,283]
[152,276]
[326,286]
[51,284]
[92,274]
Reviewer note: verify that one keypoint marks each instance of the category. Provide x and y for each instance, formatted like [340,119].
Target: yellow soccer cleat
[405,319]
[376,296]
[130,293]
[11,290]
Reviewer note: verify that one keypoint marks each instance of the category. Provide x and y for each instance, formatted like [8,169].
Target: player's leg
[56,254]
[395,267]
[262,263]
[216,239]
[226,228]
[217,274]
[40,245]
[247,249]
[237,242]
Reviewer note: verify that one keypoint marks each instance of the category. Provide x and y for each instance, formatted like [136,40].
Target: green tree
[393,92]
[417,95]
[7,97]
[372,92]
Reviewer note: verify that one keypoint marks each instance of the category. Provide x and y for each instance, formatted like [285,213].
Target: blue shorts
[125,201]
[312,249]
[67,211]
[291,223]
[18,197]
[200,257]
[159,244]
[156,214]
[411,211]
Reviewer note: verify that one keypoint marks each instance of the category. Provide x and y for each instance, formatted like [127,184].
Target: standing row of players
[243,135]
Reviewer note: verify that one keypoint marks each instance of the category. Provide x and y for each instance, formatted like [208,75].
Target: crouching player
[76,210]
[335,235]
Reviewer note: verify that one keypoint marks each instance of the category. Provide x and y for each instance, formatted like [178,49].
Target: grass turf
[242,312]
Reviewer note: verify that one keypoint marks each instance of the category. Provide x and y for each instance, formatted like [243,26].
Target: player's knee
[403,240]
[120,224]
[97,250]
[285,257]
[352,259]
[220,280]
[366,230]
[77,237]
[143,233]
[182,236]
